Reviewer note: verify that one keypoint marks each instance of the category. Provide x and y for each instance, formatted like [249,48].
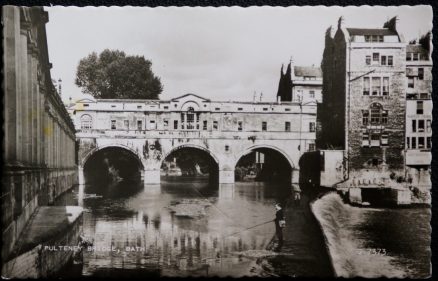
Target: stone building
[227,131]
[39,136]
[419,111]
[302,84]
[306,84]
[364,90]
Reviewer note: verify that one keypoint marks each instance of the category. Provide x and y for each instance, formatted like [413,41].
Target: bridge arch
[278,163]
[110,162]
[188,145]
[119,146]
[206,159]
[261,146]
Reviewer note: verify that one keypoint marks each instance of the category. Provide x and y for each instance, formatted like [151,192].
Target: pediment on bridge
[190,97]
[188,101]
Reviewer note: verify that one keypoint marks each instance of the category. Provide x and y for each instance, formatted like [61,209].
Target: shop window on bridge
[166,123]
[86,122]
[240,126]
[190,119]
[204,125]
[139,125]
[287,126]
[414,143]
[312,127]
[311,147]
[215,125]
[390,60]
[113,125]
[264,126]
[175,124]
[383,60]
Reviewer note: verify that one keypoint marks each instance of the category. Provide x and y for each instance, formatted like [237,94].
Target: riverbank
[304,253]
[371,243]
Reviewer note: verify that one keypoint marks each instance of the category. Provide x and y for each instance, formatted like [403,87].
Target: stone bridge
[151,130]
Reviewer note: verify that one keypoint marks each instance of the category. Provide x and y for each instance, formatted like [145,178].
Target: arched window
[375,115]
[374,118]
[86,122]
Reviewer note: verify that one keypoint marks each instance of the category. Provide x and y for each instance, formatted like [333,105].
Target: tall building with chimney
[364,90]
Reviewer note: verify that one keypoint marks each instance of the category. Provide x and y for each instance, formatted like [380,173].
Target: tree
[114,75]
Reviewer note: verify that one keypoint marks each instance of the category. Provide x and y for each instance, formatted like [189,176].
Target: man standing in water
[279,224]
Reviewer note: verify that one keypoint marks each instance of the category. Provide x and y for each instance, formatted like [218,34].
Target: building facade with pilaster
[39,136]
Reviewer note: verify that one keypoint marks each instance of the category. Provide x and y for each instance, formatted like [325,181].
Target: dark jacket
[279,215]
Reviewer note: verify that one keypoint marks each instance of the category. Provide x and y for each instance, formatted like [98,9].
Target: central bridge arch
[189,145]
[205,161]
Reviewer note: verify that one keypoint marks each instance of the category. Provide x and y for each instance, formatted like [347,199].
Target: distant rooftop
[371,31]
[415,48]
[307,71]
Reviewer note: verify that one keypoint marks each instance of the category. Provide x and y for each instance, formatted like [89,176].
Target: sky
[218,53]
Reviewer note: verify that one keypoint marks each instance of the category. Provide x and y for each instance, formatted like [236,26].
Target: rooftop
[307,71]
[371,31]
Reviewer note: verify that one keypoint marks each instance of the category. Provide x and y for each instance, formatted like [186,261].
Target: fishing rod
[248,228]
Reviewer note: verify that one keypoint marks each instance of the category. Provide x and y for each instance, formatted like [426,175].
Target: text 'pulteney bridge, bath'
[150,130]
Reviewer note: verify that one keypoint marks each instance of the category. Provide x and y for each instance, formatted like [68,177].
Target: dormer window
[373,38]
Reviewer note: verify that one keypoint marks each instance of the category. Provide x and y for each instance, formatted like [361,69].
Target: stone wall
[39,136]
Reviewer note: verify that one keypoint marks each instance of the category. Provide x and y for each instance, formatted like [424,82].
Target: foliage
[112,75]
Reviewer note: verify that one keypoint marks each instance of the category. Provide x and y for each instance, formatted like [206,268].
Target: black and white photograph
[216,141]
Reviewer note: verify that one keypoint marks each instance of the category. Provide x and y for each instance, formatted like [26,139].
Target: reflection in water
[133,229]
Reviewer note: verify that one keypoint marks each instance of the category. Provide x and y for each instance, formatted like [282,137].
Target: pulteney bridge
[149,130]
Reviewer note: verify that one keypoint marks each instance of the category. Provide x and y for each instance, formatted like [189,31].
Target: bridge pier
[151,176]
[81,177]
[226,176]
[295,176]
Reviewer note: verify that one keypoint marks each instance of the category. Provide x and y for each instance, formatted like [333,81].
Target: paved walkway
[46,223]
[303,253]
